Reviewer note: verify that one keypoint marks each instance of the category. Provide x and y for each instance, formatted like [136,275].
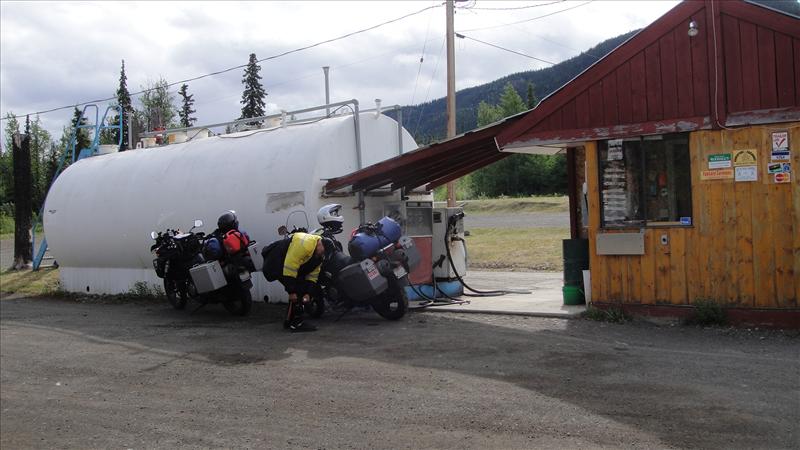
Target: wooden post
[23,251]
[451,92]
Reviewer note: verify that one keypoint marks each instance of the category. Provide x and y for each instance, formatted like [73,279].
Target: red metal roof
[661,80]
[433,165]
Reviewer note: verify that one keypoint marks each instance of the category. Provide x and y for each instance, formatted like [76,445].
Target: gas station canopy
[432,165]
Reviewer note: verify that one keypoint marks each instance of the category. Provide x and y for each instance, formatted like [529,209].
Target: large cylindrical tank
[99,213]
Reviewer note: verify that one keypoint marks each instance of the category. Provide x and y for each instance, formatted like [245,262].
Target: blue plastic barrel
[367,242]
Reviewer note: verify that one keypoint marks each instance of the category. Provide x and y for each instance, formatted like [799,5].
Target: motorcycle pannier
[207,277]
[362,281]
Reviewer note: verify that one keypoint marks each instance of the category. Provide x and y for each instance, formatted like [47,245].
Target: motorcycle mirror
[198,223]
[153,235]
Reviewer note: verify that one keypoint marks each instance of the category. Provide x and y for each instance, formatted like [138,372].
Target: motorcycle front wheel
[242,302]
[177,298]
[393,304]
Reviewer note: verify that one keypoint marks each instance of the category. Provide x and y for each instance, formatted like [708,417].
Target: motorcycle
[189,275]
[374,275]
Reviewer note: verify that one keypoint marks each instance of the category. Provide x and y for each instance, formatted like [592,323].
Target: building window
[645,181]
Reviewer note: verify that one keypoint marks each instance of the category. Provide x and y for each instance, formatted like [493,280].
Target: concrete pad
[544,300]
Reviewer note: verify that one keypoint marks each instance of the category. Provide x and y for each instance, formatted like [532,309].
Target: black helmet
[227,222]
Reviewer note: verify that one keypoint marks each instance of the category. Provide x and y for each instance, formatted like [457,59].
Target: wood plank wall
[743,248]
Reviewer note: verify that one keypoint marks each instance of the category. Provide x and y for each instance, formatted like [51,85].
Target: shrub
[613,315]
[708,313]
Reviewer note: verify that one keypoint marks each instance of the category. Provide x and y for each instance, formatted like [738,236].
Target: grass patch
[41,282]
[531,249]
[517,205]
[708,313]
[613,315]
[45,282]
[7,227]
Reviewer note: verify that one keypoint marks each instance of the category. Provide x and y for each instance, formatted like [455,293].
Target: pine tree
[7,161]
[510,102]
[532,100]
[186,110]
[254,94]
[82,140]
[157,110]
[124,101]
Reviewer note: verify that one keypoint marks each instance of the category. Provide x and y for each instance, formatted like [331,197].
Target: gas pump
[449,244]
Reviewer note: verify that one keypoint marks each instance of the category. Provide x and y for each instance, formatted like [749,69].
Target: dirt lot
[139,375]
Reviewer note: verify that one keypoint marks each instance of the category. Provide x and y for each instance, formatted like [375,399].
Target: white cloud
[55,54]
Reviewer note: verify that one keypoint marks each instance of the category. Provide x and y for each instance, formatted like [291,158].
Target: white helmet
[328,215]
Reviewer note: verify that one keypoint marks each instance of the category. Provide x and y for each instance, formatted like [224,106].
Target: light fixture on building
[693,29]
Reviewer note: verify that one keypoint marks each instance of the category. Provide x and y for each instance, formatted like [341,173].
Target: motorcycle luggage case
[409,251]
[208,277]
[255,256]
[365,244]
[362,281]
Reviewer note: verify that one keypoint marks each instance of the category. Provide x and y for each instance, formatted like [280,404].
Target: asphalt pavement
[94,373]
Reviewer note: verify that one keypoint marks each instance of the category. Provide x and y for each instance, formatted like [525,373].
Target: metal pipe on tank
[362,213]
[130,130]
[377,107]
[399,130]
[327,92]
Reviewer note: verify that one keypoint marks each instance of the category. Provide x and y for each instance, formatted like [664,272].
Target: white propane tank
[100,211]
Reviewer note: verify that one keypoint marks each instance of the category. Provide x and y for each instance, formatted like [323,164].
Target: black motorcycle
[378,280]
[188,274]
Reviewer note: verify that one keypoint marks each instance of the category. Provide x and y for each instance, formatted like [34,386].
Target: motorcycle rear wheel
[241,304]
[177,299]
[393,304]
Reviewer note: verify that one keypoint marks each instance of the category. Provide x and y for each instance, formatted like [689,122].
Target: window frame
[642,172]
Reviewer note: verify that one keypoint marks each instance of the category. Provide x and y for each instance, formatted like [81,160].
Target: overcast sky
[61,53]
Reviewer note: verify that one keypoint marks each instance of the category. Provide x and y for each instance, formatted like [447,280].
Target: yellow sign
[716,174]
[748,157]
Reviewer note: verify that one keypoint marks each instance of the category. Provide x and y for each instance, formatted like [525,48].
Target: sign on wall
[781,178]
[747,157]
[780,146]
[746,173]
[716,174]
[719,161]
[778,167]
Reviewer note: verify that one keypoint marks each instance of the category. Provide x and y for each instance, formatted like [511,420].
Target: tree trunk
[22,202]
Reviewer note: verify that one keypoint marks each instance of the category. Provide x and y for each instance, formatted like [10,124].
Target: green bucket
[573,295]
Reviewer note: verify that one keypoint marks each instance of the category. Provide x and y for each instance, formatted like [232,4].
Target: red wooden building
[686,142]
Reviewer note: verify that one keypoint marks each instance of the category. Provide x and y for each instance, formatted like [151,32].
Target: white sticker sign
[780,146]
[746,173]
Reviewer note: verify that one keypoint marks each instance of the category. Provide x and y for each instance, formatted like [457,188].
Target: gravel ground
[95,374]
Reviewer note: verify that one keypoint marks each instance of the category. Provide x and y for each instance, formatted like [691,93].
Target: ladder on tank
[76,154]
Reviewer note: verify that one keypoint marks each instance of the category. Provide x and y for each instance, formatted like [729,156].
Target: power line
[421,59]
[503,48]
[528,20]
[219,72]
[513,8]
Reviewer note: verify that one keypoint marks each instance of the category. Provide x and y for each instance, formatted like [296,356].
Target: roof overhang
[430,166]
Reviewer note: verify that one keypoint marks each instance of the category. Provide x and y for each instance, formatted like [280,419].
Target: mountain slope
[428,121]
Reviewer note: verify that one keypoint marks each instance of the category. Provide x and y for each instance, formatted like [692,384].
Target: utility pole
[451,92]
